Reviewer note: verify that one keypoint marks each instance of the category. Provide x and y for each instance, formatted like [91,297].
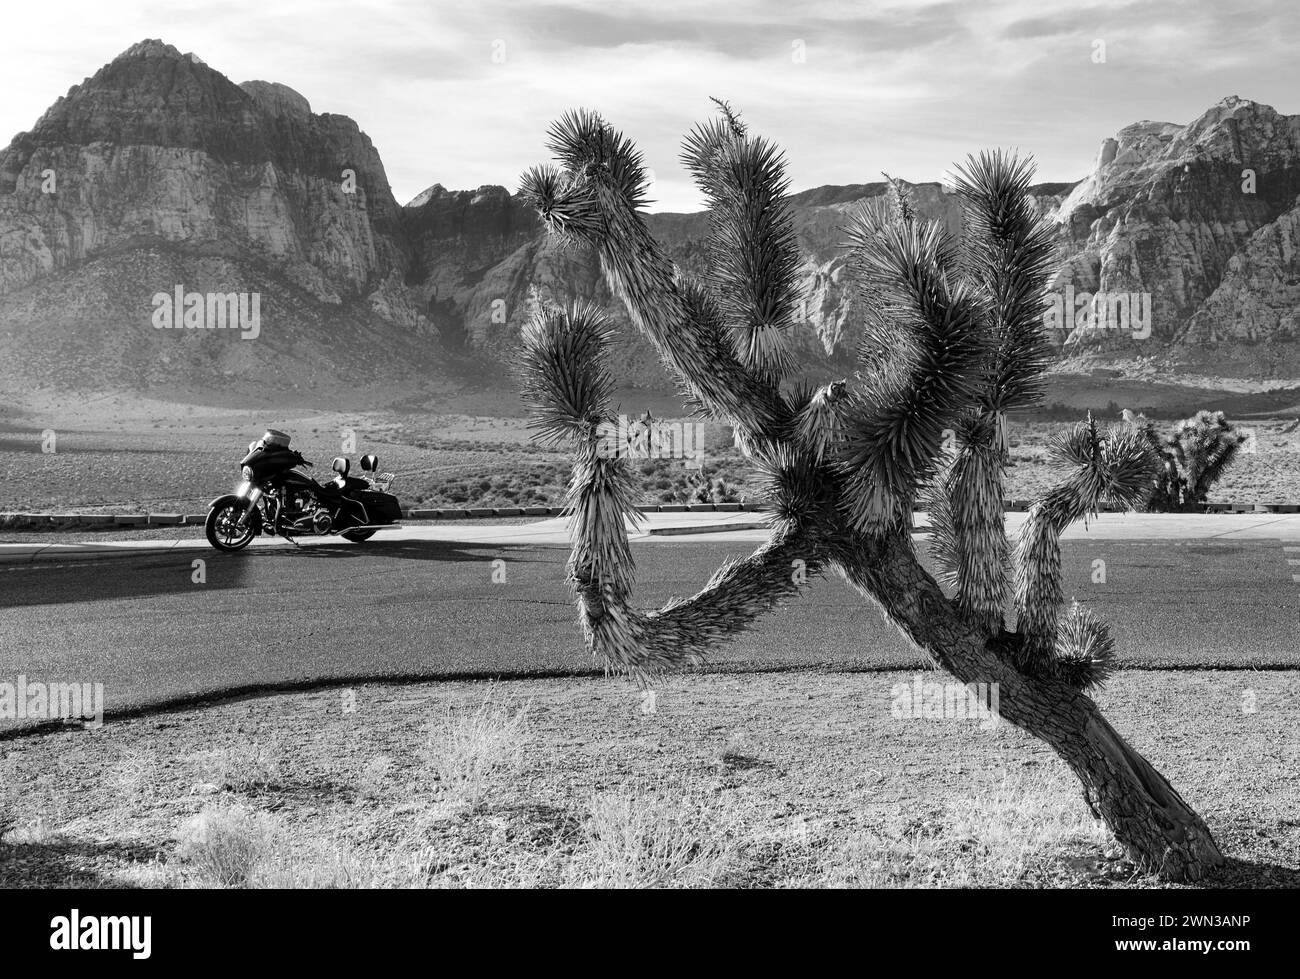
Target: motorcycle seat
[345,483]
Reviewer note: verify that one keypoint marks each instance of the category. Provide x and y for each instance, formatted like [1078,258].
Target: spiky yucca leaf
[926,375]
[752,251]
[1116,467]
[1009,253]
[794,486]
[1085,651]
[589,147]
[968,539]
[565,205]
[819,423]
[703,151]
[566,386]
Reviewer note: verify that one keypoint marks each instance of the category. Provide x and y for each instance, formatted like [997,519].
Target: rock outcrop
[1167,209]
[160,163]
[1258,298]
[159,172]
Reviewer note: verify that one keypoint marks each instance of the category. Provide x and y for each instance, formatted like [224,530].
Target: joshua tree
[953,340]
[1193,457]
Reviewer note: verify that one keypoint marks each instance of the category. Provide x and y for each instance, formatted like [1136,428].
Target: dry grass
[8,797]
[249,764]
[764,780]
[655,839]
[1022,833]
[229,845]
[466,750]
[225,845]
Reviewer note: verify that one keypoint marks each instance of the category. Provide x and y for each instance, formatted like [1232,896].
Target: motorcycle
[277,497]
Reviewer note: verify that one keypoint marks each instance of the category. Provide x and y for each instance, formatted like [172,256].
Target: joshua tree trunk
[951,343]
[1149,818]
[1157,828]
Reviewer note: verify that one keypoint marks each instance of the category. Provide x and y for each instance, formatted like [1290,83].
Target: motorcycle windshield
[270,462]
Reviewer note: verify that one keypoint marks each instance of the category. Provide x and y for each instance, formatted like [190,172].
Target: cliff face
[491,298]
[159,172]
[1168,209]
[157,145]
[1258,297]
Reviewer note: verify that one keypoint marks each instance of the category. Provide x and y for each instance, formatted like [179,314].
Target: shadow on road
[434,550]
[118,578]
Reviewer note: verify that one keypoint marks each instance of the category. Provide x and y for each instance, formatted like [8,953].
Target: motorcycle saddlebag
[381,507]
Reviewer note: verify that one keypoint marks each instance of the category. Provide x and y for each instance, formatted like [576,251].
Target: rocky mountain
[159,172]
[158,184]
[1202,218]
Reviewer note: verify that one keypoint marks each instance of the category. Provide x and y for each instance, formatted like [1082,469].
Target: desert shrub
[225,844]
[716,490]
[654,839]
[8,797]
[244,766]
[465,749]
[231,846]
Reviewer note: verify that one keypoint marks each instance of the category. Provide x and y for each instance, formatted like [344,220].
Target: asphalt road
[425,609]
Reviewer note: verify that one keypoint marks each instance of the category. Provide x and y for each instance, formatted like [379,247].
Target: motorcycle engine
[303,512]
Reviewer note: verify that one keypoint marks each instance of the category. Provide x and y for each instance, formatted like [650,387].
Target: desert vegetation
[763,780]
[1194,455]
[447,460]
[953,340]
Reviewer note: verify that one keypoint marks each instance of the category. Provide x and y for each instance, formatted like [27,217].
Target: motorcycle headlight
[247,473]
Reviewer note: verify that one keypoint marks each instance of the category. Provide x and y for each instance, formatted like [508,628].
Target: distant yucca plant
[1193,457]
[952,341]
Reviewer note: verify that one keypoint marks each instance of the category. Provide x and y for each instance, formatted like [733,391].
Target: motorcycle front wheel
[222,524]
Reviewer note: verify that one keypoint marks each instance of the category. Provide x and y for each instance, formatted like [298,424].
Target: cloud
[461,93]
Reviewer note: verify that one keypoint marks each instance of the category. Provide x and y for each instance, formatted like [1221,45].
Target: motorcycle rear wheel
[222,525]
[357,536]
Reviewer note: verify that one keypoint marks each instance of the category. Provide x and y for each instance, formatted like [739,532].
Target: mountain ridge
[163,168]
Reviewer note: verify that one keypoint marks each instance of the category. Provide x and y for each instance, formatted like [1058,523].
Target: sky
[462,93]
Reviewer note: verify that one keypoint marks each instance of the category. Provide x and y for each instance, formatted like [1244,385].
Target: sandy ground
[115,454]
[792,779]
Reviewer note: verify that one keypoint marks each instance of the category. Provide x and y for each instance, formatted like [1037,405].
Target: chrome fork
[254,494]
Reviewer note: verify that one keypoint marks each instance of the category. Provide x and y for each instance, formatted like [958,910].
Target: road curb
[33,553]
[55,521]
[722,528]
[126,521]
[711,528]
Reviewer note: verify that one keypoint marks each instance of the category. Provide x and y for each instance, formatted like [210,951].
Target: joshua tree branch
[595,200]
